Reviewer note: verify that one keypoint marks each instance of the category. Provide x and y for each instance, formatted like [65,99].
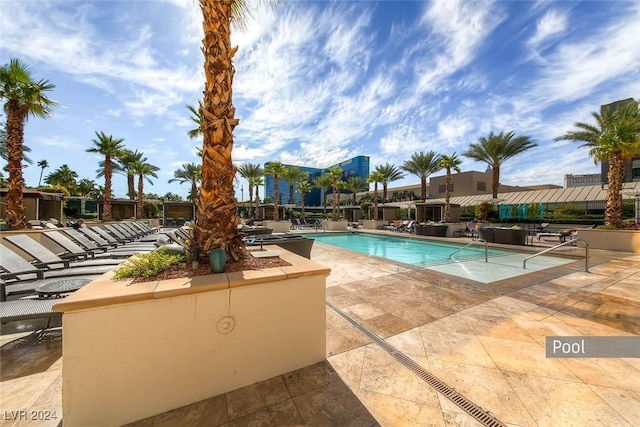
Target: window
[481,186]
[442,188]
[635,172]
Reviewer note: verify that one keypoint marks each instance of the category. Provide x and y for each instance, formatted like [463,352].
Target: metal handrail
[586,256]
[473,242]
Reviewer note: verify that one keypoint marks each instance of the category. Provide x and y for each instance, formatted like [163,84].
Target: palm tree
[614,138]
[275,170]
[291,175]
[63,177]
[110,148]
[196,117]
[251,172]
[422,165]
[85,187]
[323,183]
[144,170]
[258,182]
[335,173]
[216,225]
[375,177]
[190,173]
[42,164]
[355,184]
[304,187]
[494,150]
[448,163]
[123,164]
[23,97]
[389,173]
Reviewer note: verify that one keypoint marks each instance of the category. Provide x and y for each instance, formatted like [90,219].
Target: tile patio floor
[485,340]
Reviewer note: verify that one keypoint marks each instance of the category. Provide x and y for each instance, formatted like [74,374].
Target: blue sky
[318,82]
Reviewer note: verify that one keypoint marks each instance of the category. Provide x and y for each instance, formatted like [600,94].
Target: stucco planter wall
[278,226]
[133,351]
[373,224]
[614,240]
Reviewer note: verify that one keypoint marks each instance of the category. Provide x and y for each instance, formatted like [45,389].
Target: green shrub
[147,265]
[150,210]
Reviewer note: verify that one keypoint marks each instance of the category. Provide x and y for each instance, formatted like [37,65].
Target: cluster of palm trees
[117,159]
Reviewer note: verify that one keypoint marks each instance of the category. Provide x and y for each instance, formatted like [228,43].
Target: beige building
[470,183]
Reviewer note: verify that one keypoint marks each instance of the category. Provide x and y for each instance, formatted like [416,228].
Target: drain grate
[468,406]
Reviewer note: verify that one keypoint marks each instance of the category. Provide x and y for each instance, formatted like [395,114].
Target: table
[54,289]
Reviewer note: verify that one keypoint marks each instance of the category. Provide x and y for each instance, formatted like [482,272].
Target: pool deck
[486,340]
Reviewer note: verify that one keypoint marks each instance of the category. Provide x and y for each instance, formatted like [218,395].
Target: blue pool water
[408,251]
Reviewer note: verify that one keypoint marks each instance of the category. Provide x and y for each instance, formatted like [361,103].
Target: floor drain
[465,404]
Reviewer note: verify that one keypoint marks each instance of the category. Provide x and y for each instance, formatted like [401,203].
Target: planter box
[133,351]
[373,224]
[278,226]
[431,230]
[613,240]
[335,225]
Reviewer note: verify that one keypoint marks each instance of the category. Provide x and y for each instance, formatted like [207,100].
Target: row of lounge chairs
[84,253]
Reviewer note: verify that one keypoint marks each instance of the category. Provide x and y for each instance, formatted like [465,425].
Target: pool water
[408,251]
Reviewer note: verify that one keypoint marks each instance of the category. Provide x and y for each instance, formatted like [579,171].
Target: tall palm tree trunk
[216,225]
[15,138]
[447,197]
[613,212]
[276,197]
[130,185]
[495,180]
[257,209]
[140,194]
[106,215]
[375,201]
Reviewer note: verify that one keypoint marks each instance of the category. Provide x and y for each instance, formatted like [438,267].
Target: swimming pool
[408,251]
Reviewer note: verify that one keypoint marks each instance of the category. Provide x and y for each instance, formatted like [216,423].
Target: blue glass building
[356,166]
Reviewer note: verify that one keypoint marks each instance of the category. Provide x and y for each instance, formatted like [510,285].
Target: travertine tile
[555,402]
[624,402]
[310,378]
[382,374]
[281,414]
[394,411]
[486,387]
[332,405]
[254,397]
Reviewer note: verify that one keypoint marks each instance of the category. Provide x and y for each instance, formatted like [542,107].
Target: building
[356,166]
[571,181]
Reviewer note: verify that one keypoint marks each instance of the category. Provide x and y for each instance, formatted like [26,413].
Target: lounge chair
[27,309]
[72,250]
[13,265]
[83,240]
[101,241]
[43,257]
[106,235]
[117,233]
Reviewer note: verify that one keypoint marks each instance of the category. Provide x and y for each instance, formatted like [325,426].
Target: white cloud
[552,24]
